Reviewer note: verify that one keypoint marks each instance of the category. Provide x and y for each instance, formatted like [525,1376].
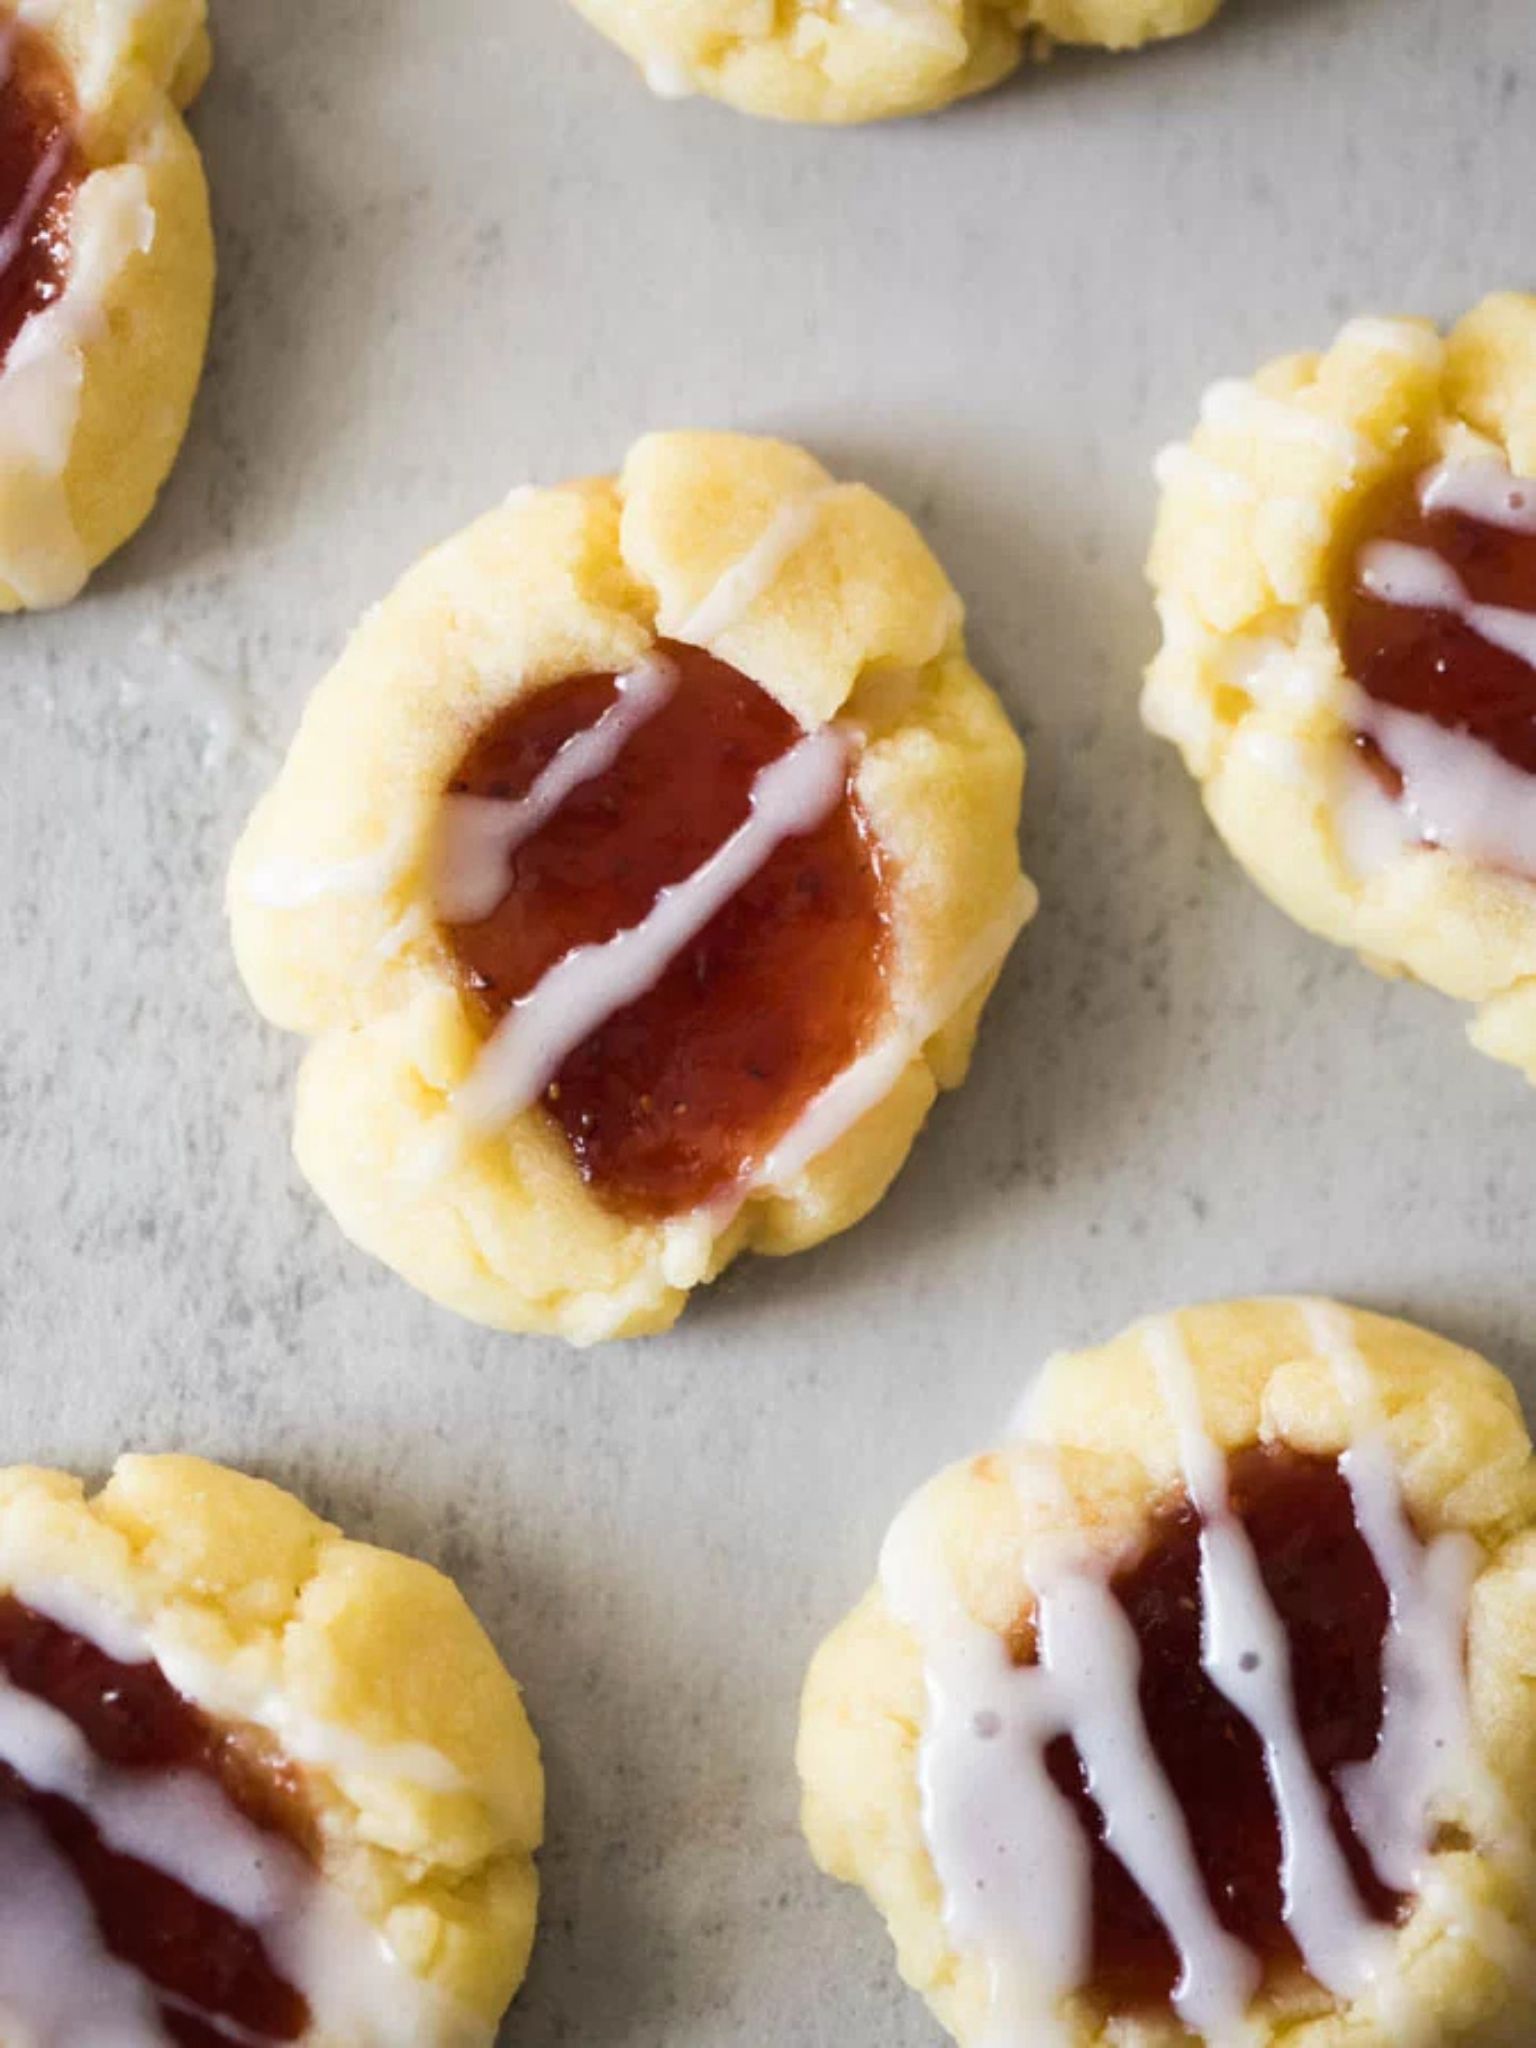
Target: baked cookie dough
[1345,565]
[1202,1710]
[640,873]
[106,277]
[257,1783]
[864,60]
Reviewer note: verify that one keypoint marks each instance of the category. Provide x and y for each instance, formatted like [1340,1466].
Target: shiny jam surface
[40,168]
[1432,662]
[1299,1514]
[193,1953]
[666,1103]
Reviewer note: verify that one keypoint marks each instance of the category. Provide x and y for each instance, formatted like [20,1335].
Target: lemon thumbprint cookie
[258,1784]
[864,60]
[639,873]
[1345,564]
[106,277]
[1202,1710]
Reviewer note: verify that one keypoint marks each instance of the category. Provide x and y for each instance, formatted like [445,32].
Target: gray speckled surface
[461,248]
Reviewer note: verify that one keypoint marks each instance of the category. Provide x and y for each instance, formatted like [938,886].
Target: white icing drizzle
[1246,1655]
[1417,578]
[113,23]
[1459,793]
[746,581]
[1483,489]
[1089,1649]
[116,1634]
[845,1100]
[1006,1846]
[285,883]
[1373,829]
[228,1692]
[58,1984]
[324,1745]
[479,835]
[19,226]
[180,1823]
[41,555]
[852,1094]
[1426,1726]
[790,796]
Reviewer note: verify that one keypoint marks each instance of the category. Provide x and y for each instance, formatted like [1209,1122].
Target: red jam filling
[40,169]
[666,1103]
[207,1966]
[1299,1514]
[1433,662]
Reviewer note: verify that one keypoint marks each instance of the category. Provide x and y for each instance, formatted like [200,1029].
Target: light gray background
[463,248]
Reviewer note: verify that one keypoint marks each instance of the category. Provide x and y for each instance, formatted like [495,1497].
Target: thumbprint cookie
[106,277]
[1345,564]
[1202,1710]
[258,1784]
[865,60]
[639,874]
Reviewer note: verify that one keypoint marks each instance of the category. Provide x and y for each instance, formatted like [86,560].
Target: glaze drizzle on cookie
[172,1860]
[480,834]
[1222,1760]
[749,579]
[1438,634]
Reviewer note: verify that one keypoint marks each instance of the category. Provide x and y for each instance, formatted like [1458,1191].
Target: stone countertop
[462,248]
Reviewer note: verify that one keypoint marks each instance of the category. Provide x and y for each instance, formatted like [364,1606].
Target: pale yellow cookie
[1299,495]
[716,570]
[1260,1558]
[864,60]
[105,210]
[264,1778]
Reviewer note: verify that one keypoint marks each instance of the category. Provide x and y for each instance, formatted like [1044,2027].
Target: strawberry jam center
[207,1969]
[1435,659]
[1299,1514]
[669,1100]
[40,169]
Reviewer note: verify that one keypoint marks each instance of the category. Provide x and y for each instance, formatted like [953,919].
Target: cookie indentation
[602,810]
